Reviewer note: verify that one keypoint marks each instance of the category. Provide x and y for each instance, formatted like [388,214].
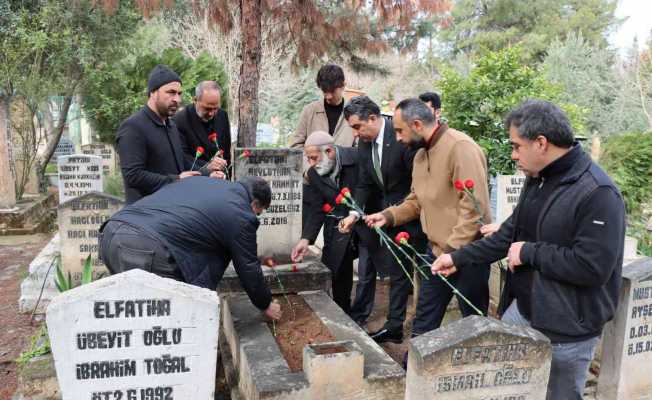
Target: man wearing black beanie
[149,144]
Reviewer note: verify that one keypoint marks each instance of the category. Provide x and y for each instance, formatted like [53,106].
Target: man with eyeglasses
[200,120]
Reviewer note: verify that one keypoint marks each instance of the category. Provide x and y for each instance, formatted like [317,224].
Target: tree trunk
[250,22]
[56,136]
[7,184]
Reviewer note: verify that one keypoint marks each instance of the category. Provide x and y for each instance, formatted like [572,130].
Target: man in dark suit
[332,168]
[148,142]
[202,119]
[385,165]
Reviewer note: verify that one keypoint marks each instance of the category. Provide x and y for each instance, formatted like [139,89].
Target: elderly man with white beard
[332,168]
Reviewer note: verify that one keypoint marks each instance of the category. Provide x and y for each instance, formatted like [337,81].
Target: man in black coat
[332,168]
[148,142]
[563,242]
[199,121]
[385,165]
[193,238]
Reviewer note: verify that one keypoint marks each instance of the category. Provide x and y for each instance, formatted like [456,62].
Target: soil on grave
[16,252]
[297,329]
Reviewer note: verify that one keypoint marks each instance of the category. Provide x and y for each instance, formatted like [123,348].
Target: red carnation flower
[199,152]
[294,268]
[402,238]
[327,208]
[469,184]
[213,137]
[340,199]
[459,185]
[345,192]
[245,154]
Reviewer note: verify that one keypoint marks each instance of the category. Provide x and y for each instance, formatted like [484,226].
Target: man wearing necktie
[385,166]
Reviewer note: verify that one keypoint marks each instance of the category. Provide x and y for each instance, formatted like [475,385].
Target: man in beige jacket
[325,115]
[448,216]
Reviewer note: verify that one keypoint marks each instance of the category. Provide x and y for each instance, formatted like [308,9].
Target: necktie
[376,162]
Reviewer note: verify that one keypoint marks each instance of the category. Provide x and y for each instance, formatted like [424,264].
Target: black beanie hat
[161,75]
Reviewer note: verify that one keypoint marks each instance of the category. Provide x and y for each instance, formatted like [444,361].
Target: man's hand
[489,229]
[346,224]
[377,220]
[443,265]
[217,164]
[300,250]
[218,175]
[514,255]
[273,311]
[186,174]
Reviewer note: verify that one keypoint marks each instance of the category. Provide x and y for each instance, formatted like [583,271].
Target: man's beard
[416,141]
[203,117]
[166,111]
[325,166]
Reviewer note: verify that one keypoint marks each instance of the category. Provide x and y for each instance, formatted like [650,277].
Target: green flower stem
[349,201]
[481,221]
[193,164]
[446,281]
[425,276]
[384,239]
[294,315]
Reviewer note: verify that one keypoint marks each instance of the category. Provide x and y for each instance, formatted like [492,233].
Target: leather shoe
[385,335]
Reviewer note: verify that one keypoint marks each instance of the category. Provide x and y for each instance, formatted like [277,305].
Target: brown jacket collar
[439,132]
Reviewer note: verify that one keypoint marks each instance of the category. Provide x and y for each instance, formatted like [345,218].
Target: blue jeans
[570,361]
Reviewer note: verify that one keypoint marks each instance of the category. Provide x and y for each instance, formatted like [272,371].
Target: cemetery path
[16,252]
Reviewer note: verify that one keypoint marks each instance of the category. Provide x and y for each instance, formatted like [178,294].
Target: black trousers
[124,247]
[342,282]
[370,264]
[472,281]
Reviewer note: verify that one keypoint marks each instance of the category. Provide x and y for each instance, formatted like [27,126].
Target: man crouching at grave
[332,168]
[563,242]
[190,231]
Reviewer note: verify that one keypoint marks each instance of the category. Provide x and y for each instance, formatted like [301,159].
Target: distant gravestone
[508,191]
[78,175]
[106,152]
[79,222]
[135,335]
[280,224]
[478,358]
[627,340]
[65,147]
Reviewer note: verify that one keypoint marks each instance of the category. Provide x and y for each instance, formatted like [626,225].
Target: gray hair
[534,118]
[206,85]
[414,109]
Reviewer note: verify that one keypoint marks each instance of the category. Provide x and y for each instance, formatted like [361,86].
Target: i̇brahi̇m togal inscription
[145,344]
[280,224]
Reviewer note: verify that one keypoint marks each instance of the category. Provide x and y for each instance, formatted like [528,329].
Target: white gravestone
[106,152]
[135,335]
[280,224]
[79,174]
[478,358]
[79,222]
[508,192]
[627,340]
